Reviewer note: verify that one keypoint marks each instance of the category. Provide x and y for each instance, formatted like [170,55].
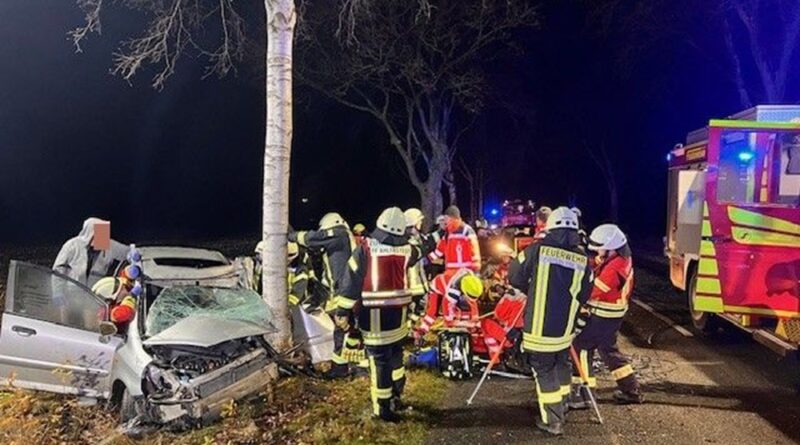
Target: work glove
[582,320]
[341,319]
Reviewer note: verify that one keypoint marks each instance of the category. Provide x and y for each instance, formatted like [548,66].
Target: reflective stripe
[386,337]
[621,373]
[398,373]
[293,300]
[301,238]
[540,344]
[338,359]
[344,302]
[708,304]
[708,286]
[521,257]
[565,389]
[542,274]
[604,313]
[386,302]
[577,279]
[708,266]
[602,286]
[459,264]
[384,293]
[353,342]
[548,397]
[353,264]
[706,230]
[707,248]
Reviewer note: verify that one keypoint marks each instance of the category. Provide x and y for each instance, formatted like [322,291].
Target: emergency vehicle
[518,222]
[733,224]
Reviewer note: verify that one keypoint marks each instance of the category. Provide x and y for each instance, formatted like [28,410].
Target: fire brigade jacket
[376,287]
[300,273]
[336,246]
[557,278]
[613,285]
[417,279]
[460,249]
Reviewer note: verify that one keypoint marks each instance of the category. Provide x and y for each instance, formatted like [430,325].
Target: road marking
[681,330]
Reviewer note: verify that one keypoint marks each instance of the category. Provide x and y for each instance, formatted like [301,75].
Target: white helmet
[607,237]
[331,220]
[562,218]
[108,288]
[260,248]
[414,217]
[392,220]
[292,250]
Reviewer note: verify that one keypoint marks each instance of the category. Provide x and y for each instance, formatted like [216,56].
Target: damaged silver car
[195,344]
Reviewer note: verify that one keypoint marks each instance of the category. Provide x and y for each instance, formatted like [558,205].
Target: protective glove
[582,320]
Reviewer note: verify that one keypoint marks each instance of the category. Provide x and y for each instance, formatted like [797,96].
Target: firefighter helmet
[414,217]
[292,250]
[331,220]
[108,288]
[392,221]
[562,218]
[607,237]
[260,248]
[472,286]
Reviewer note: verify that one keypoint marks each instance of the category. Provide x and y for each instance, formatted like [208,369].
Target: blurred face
[102,236]
[506,259]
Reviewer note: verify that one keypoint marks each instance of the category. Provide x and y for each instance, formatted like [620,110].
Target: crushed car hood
[206,331]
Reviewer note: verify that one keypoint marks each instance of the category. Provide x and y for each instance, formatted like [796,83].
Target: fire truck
[733,224]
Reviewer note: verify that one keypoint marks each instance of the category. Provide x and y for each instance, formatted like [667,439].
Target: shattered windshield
[180,302]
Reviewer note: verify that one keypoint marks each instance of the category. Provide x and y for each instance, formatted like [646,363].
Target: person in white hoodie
[91,255]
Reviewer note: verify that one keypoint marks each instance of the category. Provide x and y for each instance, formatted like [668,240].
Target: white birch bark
[280,34]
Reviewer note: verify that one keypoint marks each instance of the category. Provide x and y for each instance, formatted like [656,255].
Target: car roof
[170,271]
[153,252]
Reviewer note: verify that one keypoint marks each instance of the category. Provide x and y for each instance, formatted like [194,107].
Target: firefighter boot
[577,399]
[553,429]
[628,397]
[386,413]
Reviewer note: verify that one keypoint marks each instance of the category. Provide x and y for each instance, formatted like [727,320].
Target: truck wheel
[702,321]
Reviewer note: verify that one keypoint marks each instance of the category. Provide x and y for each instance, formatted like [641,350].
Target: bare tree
[414,67]
[753,42]
[177,27]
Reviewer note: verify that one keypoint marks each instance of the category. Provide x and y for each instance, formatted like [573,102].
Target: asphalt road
[724,389]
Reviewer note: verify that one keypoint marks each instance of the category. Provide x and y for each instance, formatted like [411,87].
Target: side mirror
[107,328]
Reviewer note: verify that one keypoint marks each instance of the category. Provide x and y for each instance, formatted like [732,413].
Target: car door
[49,334]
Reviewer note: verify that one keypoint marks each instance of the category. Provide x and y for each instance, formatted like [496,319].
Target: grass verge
[294,411]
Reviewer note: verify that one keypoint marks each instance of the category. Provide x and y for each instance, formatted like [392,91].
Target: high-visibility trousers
[553,373]
[600,334]
[387,376]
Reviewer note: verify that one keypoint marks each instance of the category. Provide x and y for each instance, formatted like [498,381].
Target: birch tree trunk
[280,34]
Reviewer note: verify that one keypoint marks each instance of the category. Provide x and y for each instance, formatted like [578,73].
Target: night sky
[185,162]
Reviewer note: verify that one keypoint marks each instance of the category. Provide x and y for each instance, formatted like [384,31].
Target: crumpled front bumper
[212,391]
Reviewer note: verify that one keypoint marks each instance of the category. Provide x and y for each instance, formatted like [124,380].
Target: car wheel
[127,407]
[704,322]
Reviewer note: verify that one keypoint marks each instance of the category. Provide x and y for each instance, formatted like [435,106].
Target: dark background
[186,162]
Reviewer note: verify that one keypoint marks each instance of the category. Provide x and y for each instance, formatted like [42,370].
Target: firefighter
[122,303]
[335,243]
[459,288]
[507,316]
[359,232]
[557,278]
[581,229]
[459,247]
[418,281]
[607,305]
[298,275]
[375,292]
[496,271]
[541,222]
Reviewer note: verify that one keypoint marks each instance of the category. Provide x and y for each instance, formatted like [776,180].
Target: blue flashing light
[746,156]
[494,212]
[669,157]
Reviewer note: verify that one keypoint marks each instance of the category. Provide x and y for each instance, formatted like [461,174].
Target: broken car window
[180,302]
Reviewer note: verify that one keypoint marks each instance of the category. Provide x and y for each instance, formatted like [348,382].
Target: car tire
[704,322]
[127,407]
